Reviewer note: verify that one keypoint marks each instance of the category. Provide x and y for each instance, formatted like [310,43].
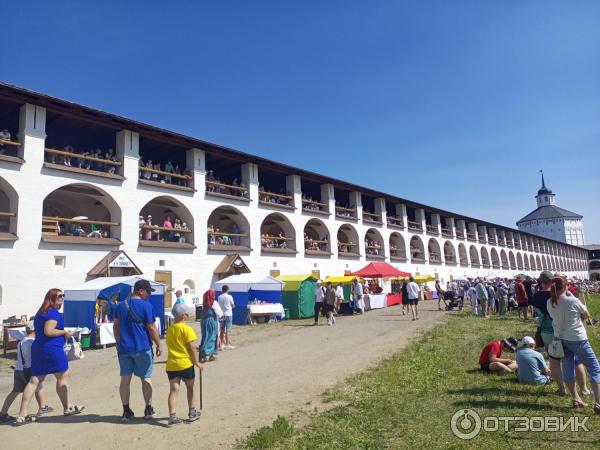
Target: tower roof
[544,190]
[549,212]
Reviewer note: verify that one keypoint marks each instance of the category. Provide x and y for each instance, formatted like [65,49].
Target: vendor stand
[384,271]
[347,306]
[298,296]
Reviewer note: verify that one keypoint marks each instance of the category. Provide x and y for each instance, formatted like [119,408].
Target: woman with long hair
[568,316]
[209,327]
[48,355]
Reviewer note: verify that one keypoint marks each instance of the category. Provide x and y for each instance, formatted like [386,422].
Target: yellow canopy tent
[418,278]
[344,279]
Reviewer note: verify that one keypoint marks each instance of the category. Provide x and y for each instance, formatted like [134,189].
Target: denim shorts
[137,363]
[226,323]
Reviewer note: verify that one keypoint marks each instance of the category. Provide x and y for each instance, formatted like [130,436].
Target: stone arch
[9,205]
[227,226]
[417,249]
[277,231]
[519,261]
[532,263]
[504,259]
[434,252]
[462,254]
[449,253]
[80,200]
[474,256]
[495,258]
[485,258]
[397,246]
[525,261]
[374,243]
[316,237]
[157,211]
[512,261]
[189,287]
[347,238]
[538,262]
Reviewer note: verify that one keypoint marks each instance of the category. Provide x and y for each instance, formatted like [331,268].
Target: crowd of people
[269,241]
[344,211]
[169,168]
[90,230]
[150,231]
[346,247]
[373,247]
[6,148]
[216,236]
[309,204]
[84,163]
[215,184]
[272,197]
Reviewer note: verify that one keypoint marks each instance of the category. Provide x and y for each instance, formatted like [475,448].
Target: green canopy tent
[298,295]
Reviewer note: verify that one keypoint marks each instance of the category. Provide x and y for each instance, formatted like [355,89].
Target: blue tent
[80,301]
[247,287]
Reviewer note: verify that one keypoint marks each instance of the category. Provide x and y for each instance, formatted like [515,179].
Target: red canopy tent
[380,270]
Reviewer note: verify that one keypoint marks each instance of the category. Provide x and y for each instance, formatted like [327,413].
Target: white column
[32,125]
[294,188]
[128,152]
[328,197]
[195,163]
[355,199]
[451,224]
[436,222]
[250,179]
[381,210]
[401,212]
[420,218]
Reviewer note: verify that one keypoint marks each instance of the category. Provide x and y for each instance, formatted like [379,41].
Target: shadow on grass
[503,404]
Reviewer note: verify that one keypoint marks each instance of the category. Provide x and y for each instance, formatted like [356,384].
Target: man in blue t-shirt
[134,329]
[532,367]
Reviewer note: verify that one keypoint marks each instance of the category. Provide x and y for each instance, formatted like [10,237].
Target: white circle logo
[465,424]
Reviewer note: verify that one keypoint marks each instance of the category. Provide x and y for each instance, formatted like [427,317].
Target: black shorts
[485,367]
[185,375]
[329,308]
[413,301]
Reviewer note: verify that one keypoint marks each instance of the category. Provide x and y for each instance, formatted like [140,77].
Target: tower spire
[543,182]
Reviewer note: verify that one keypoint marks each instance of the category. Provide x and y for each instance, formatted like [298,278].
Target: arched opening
[538,262]
[525,262]
[504,260]
[532,265]
[228,230]
[374,245]
[512,261]
[485,257]
[9,203]
[545,263]
[397,247]
[316,238]
[495,258]
[81,214]
[417,250]
[474,256]
[277,235]
[449,253]
[519,261]
[347,238]
[434,251]
[189,287]
[166,222]
[462,255]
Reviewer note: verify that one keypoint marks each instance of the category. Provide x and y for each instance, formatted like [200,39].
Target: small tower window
[546,198]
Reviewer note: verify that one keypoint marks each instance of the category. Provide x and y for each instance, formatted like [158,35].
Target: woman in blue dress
[48,355]
[210,328]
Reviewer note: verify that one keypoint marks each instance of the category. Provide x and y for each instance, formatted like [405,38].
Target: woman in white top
[568,315]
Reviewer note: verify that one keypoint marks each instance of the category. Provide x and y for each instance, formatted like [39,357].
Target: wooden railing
[396,221]
[372,215]
[287,198]
[88,221]
[460,234]
[162,172]
[81,156]
[156,227]
[471,236]
[243,190]
[315,241]
[277,238]
[7,214]
[414,225]
[313,202]
[339,210]
[221,233]
[446,232]
[347,244]
[431,228]
[9,142]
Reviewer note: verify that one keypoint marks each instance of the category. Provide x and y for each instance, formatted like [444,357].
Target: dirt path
[275,370]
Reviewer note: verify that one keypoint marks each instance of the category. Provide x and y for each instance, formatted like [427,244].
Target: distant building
[551,221]
[593,261]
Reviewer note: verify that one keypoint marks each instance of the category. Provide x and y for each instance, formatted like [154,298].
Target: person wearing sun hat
[531,365]
[490,359]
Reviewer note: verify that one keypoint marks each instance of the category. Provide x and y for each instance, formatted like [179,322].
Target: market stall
[347,306]
[298,295]
[384,271]
[80,303]
[245,288]
[428,294]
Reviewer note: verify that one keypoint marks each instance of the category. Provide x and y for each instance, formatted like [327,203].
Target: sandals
[597,408]
[23,420]
[73,410]
[44,410]
[579,404]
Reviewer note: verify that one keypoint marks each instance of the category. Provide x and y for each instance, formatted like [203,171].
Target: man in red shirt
[521,297]
[490,359]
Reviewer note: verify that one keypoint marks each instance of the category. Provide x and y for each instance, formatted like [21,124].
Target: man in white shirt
[319,301]
[357,296]
[226,303]
[413,297]
[339,297]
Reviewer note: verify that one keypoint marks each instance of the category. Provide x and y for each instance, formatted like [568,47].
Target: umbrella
[80,218]
[380,270]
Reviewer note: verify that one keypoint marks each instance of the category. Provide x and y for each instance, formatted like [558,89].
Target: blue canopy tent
[80,300]
[247,287]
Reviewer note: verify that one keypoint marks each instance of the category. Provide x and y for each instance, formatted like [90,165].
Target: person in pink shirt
[167,224]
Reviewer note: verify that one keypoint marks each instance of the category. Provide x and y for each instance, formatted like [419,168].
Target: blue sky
[456,104]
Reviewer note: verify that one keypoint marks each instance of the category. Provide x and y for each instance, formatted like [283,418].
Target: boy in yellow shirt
[181,362]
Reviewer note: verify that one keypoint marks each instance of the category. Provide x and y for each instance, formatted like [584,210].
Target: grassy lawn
[408,400]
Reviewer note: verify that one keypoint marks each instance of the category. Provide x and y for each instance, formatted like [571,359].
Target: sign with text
[121,261]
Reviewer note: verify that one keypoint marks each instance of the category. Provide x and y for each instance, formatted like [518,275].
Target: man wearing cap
[134,329]
[490,359]
[532,367]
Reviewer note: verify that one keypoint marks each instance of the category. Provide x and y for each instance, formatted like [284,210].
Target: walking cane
[200,393]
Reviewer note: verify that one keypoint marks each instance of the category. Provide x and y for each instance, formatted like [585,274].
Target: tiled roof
[549,212]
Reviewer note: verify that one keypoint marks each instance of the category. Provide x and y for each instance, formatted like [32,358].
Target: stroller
[450,301]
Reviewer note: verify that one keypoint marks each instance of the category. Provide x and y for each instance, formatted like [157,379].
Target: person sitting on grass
[181,362]
[490,359]
[531,363]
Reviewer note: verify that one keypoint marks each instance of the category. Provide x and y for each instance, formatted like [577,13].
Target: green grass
[407,401]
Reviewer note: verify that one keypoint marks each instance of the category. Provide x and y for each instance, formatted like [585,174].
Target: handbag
[73,349]
[555,349]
